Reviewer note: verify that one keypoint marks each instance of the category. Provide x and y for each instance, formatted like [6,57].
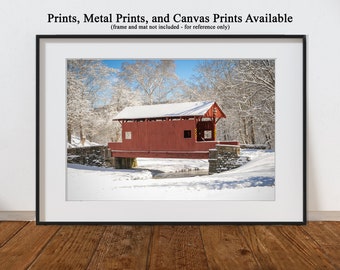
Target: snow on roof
[165,110]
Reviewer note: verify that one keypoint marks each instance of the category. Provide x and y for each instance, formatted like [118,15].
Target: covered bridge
[177,130]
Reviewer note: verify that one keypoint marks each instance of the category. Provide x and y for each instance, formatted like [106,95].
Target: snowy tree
[246,91]
[155,79]
[255,82]
[86,81]
[121,96]
[78,107]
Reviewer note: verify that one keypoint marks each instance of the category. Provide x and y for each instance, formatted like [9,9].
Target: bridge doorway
[206,131]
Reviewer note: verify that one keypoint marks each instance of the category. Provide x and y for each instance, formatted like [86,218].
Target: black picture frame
[52,206]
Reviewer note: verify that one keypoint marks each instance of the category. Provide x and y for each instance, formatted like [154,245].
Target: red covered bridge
[177,130]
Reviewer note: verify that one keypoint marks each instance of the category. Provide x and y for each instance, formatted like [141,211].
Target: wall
[97,155]
[21,20]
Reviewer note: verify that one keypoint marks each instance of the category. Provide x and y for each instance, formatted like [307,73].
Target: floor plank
[226,249]
[71,248]
[23,245]
[21,250]
[9,229]
[302,245]
[284,247]
[327,235]
[177,247]
[122,247]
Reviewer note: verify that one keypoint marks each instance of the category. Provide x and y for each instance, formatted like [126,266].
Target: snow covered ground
[76,142]
[252,181]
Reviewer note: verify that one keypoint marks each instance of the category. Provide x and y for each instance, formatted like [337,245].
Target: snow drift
[253,181]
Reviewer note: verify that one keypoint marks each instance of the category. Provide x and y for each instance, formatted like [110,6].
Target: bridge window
[128,135]
[207,134]
[187,133]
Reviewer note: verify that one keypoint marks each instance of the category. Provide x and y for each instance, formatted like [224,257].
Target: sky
[185,69]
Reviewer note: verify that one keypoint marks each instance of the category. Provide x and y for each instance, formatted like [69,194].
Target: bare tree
[256,81]
[121,96]
[78,107]
[86,80]
[246,91]
[155,79]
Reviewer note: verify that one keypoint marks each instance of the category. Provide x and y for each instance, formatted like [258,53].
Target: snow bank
[253,181]
[76,142]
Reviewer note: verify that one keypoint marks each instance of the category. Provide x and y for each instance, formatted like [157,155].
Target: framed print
[171,129]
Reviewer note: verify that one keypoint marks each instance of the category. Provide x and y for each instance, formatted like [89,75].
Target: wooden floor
[23,245]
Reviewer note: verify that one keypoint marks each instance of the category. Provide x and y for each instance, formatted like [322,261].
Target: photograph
[170,129]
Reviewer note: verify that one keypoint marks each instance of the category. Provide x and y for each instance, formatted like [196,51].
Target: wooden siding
[162,139]
[180,135]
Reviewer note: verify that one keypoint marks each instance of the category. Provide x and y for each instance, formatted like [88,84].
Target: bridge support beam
[125,163]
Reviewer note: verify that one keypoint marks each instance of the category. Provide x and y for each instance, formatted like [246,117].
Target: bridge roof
[171,110]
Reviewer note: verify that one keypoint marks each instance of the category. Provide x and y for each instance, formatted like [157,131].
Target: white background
[21,20]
